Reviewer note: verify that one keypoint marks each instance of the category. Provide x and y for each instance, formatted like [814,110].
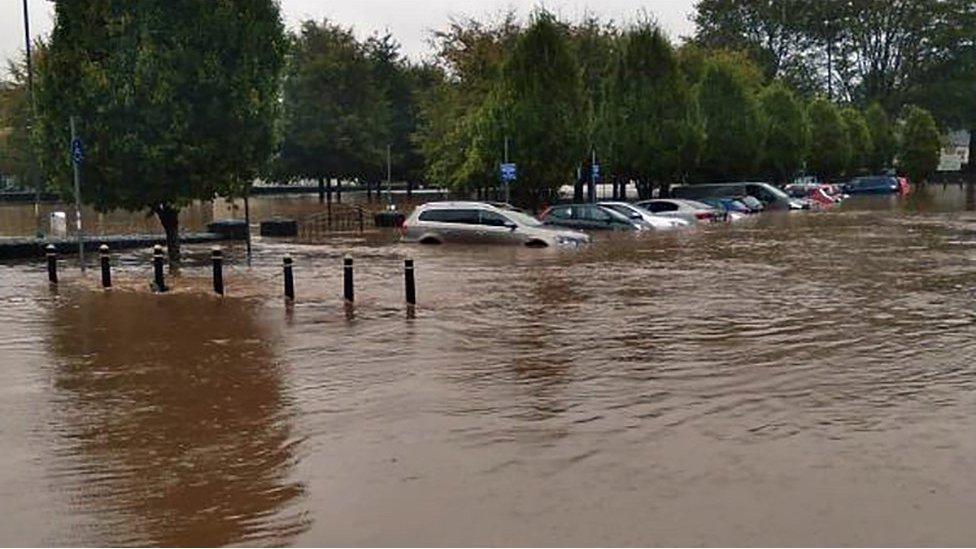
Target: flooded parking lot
[795,379]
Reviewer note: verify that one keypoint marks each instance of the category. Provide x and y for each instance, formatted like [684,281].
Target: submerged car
[875,184]
[690,210]
[734,209]
[656,222]
[771,197]
[592,217]
[482,223]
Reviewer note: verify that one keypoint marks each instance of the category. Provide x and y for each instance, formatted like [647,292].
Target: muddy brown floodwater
[804,379]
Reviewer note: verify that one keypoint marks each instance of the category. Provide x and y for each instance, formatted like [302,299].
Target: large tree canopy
[786,131]
[336,117]
[829,141]
[175,101]
[733,129]
[541,100]
[650,123]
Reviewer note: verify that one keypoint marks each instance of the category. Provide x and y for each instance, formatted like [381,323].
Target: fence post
[409,282]
[289,279]
[106,266]
[159,280]
[217,258]
[52,263]
[347,281]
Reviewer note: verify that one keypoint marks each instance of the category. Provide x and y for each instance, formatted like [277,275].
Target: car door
[461,225]
[562,216]
[495,228]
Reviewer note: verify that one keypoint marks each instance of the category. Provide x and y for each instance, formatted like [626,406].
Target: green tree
[882,137]
[651,127]
[830,148]
[467,68]
[921,145]
[859,137]
[336,120]
[175,103]
[542,100]
[786,130]
[733,128]
[16,157]
[402,84]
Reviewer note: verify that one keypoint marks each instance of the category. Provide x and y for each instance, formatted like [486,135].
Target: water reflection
[175,419]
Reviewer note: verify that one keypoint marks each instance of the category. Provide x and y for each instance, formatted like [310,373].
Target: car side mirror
[511,226]
[636,215]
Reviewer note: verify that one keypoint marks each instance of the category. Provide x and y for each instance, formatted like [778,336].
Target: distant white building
[955,151]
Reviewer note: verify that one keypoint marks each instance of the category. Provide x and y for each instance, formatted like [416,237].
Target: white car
[657,222]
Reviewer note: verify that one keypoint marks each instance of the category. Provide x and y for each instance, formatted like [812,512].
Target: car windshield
[522,218]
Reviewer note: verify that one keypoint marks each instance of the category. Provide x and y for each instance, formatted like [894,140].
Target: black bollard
[410,283]
[287,264]
[217,258]
[105,259]
[347,283]
[159,281]
[52,264]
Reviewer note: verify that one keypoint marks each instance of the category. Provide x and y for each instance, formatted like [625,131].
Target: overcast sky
[410,21]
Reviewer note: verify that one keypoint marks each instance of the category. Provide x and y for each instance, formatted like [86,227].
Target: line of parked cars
[568,224]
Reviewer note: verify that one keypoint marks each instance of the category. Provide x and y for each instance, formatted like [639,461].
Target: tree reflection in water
[176,421]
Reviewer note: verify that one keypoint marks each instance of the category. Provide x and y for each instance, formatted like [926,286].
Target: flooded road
[803,379]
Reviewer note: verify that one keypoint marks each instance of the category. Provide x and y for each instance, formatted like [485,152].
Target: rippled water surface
[805,379]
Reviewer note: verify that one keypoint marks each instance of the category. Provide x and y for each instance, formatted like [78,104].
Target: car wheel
[536,244]
[430,241]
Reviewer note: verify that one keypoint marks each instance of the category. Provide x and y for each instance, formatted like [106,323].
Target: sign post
[77,156]
[509,173]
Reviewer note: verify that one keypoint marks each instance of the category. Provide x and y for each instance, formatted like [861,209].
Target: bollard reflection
[176,421]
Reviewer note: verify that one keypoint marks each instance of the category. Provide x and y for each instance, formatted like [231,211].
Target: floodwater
[802,379]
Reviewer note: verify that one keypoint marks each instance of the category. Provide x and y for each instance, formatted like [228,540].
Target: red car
[904,186]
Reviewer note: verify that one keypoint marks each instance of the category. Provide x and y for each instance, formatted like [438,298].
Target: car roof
[457,204]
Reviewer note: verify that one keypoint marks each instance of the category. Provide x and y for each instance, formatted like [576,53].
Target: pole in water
[105,259]
[410,283]
[52,264]
[217,257]
[287,265]
[347,282]
[159,280]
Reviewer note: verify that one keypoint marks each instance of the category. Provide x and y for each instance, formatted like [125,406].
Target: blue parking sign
[509,172]
[77,152]
[596,172]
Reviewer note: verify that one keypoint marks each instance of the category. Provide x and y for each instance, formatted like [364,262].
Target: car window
[620,209]
[493,219]
[561,212]
[657,207]
[593,213]
[459,216]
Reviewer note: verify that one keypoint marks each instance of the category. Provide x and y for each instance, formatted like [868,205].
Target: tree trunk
[169,217]
[339,190]
[369,191]
[409,190]
[321,190]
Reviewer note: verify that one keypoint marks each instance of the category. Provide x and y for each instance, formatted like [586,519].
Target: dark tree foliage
[541,102]
[920,145]
[786,131]
[883,138]
[830,148]
[336,119]
[859,137]
[650,124]
[733,128]
[175,100]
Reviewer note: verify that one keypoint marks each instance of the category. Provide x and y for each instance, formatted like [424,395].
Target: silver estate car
[482,223]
